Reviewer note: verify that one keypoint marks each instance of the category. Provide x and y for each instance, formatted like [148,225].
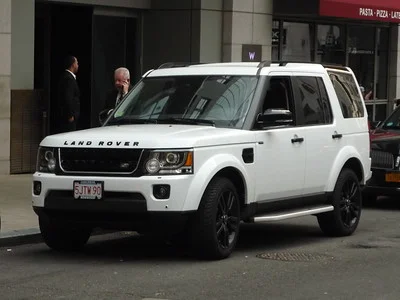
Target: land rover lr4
[199,149]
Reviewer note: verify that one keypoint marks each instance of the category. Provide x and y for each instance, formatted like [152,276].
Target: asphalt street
[282,260]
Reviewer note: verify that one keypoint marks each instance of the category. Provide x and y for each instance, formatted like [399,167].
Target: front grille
[94,160]
[382,160]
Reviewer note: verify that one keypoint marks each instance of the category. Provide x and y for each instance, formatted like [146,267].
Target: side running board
[289,214]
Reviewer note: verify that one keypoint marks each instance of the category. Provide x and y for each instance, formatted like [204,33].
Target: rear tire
[215,227]
[63,236]
[346,200]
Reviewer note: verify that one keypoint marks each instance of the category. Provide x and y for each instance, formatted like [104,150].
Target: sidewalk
[17,217]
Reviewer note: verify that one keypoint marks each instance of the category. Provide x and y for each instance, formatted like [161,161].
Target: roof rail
[175,65]
[264,63]
[282,63]
[334,66]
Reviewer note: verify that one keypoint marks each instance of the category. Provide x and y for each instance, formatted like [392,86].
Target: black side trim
[248,155]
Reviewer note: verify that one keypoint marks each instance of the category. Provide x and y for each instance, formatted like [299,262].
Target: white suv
[198,149]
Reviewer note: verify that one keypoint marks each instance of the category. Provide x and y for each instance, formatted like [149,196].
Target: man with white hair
[122,87]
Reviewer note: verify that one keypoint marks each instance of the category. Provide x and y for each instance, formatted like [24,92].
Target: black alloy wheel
[350,204]
[346,202]
[215,227]
[227,219]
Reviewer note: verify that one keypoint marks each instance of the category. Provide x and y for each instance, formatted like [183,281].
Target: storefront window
[275,40]
[361,51]
[297,42]
[380,112]
[370,110]
[364,48]
[331,44]
[374,79]
[382,63]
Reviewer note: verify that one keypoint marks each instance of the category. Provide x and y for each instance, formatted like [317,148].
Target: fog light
[37,188]
[161,191]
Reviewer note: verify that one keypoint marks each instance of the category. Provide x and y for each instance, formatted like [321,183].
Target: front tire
[63,236]
[215,228]
[347,202]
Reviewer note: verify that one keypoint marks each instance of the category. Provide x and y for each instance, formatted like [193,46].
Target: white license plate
[88,189]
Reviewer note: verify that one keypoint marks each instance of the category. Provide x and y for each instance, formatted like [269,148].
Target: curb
[33,236]
[20,237]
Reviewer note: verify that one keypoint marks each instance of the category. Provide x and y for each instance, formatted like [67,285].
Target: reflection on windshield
[221,101]
[393,122]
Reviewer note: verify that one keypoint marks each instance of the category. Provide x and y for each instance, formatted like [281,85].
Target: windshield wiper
[187,121]
[125,121]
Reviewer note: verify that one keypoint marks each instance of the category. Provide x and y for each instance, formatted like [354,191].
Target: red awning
[376,10]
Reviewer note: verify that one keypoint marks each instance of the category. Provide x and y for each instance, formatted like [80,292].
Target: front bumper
[121,194]
[378,186]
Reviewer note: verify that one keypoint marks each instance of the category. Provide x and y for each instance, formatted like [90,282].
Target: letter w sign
[251,53]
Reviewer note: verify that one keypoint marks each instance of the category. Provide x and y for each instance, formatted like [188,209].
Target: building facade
[142,34]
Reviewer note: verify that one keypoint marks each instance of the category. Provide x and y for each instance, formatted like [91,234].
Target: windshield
[221,101]
[393,122]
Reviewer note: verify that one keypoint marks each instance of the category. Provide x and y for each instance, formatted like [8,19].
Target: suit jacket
[68,96]
[111,98]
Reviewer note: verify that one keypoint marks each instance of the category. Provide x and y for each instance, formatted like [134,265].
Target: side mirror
[103,115]
[275,117]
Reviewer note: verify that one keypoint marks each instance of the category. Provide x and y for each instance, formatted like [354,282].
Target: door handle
[297,140]
[337,135]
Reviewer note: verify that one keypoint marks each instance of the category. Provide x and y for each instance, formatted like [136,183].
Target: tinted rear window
[349,98]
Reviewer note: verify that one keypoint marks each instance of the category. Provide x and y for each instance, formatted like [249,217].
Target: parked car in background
[385,155]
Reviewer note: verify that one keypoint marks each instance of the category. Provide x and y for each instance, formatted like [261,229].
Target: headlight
[169,162]
[46,160]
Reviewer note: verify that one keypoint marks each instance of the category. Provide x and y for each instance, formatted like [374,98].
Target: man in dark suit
[122,87]
[68,95]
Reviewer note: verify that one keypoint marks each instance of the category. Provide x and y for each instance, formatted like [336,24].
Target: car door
[280,151]
[319,129]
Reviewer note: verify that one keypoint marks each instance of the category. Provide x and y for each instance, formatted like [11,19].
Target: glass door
[331,44]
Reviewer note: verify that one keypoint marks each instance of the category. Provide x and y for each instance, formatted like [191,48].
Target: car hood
[149,136]
[385,140]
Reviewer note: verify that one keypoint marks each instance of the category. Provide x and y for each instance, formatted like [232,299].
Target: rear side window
[348,95]
[328,115]
[312,96]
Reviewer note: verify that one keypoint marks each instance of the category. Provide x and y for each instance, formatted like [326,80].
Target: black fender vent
[248,155]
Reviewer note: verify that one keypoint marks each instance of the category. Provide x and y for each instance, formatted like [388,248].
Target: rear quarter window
[348,95]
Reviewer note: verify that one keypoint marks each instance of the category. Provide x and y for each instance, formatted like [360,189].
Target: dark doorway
[62,30]
[71,34]
[101,43]
[114,45]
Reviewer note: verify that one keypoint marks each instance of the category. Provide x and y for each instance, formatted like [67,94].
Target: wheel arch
[347,158]
[355,165]
[238,181]
[223,166]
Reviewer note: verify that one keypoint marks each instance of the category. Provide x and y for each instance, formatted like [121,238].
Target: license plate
[392,177]
[88,189]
